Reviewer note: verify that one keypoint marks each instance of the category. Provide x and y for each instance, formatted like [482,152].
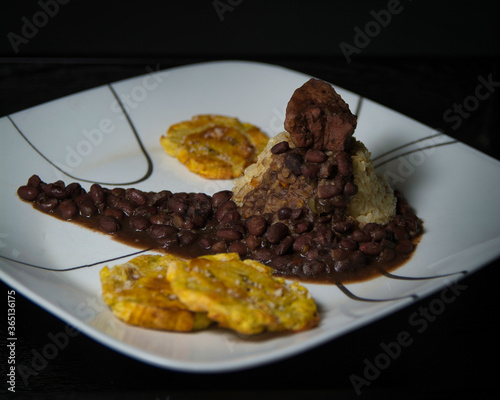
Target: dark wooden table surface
[457,352]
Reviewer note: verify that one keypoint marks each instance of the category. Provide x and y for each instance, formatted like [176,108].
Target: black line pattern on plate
[358,106]
[352,296]
[418,278]
[134,131]
[374,159]
[73,268]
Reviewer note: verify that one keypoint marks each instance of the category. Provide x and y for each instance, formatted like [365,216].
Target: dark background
[429,58]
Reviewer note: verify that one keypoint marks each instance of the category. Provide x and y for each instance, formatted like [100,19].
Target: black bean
[340,254]
[371,248]
[74,189]
[137,197]
[313,254]
[324,236]
[342,226]
[119,192]
[197,221]
[156,199]
[187,237]
[230,216]
[87,208]
[343,265]
[206,241]
[293,162]
[160,219]
[202,204]
[312,268]
[329,191]
[388,243]
[256,225]
[161,231]
[277,232]
[219,247]
[139,223]
[358,259]
[145,211]
[344,163]
[399,232]
[109,224]
[303,226]
[177,221]
[68,209]
[303,243]
[168,241]
[125,206]
[386,255]
[28,193]
[281,147]
[263,255]
[238,247]
[326,170]
[350,188]
[378,233]
[97,194]
[113,212]
[177,204]
[284,246]
[339,201]
[361,236]
[349,244]
[253,242]
[310,171]
[228,234]
[220,197]
[34,181]
[224,208]
[284,213]
[280,262]
[315,156]
[297,213]
[56,190]
[321,206]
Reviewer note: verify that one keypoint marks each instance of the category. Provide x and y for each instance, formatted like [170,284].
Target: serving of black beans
[318,242]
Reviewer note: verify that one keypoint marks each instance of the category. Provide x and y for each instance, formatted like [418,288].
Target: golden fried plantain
[214,146]
[139,294]
[242,295]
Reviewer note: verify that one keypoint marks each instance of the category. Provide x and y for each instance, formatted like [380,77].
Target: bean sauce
[310,241]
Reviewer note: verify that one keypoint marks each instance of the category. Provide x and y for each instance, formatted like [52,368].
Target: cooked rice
[374,202]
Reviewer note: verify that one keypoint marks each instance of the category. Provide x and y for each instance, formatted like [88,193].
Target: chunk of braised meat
[318,118]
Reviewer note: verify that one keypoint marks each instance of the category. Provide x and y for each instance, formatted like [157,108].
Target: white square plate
[110,135]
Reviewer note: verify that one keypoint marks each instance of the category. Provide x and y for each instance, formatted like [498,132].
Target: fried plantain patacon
[242,295]
[139,294]
[214,146]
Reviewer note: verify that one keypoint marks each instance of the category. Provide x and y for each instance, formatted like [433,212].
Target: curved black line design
[358,106]
[134,131]
[352,296]
[413,151]
[416,278]
[73,268]
[406,145]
